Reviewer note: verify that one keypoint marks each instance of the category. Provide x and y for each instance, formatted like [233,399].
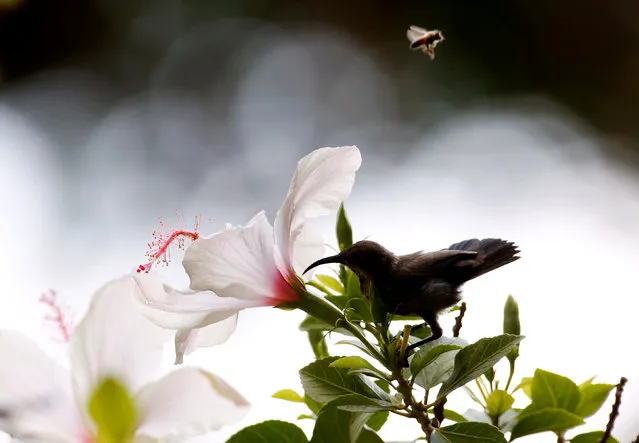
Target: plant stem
[415,409]
[318,307]
[510,375]
[615,410]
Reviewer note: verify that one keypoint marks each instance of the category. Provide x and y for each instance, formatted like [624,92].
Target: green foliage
[113,412]
[475,359]
[318,344]
[452,416]
[377,420]
[358,365]
[592,397]
[427,355]
[271,431]
[331,283]
[354,392]
[533,420]
[344,240]
[288,395]
[314,324]
[350,398]
[337,426]
[592,437]
[558,404]
[438,368]
[468,432]
[498,403]
[554,391]
[343,229]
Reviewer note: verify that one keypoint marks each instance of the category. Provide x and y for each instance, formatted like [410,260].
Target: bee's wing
[415,33]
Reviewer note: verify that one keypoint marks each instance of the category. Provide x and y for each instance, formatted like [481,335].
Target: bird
[422,283]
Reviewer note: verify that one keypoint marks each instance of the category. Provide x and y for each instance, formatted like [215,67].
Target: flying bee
[424,40]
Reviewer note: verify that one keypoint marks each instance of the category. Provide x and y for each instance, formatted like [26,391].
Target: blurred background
[524,127]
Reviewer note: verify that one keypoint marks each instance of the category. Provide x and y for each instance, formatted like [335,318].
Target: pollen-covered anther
[159,249]
[60,316]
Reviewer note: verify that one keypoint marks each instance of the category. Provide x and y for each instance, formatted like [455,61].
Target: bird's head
[366,258]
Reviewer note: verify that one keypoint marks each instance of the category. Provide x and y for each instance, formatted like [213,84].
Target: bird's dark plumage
[423,283]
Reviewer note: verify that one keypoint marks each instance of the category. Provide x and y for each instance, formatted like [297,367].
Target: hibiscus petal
[188,402]
[308,248]
[172,309]
[115,339]
[237,262]
[36,402]
[188,340]
[322,181]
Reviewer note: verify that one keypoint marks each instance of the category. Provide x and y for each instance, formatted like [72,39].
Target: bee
[424,40]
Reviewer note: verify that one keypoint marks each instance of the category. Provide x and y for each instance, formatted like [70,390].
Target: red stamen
[60,316]
[163,237]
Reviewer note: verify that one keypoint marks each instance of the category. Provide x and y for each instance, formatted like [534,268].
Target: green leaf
[352,362]
[377,420]
[343,229]
[526,386]
[592,398]
[311,323]
[592,437]
[359,309]
[533,420]
[338,300]
[271,431]
[554,391]
[499,402]
[424,357]
[305,416]
[451,415]
[313,405]
[473,396]
[360,403]
[379,310]
[318,344]
[368,436]
[337,426]
[421,333]
[358,365]
[325,383]
[468,432]
[441,368]
[352,285]
[383,385]
[331,283]
[113,412]
[358,344]
[375,374]
[475,359]
[288,395]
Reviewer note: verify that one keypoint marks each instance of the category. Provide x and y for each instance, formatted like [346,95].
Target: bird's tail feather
[492,253]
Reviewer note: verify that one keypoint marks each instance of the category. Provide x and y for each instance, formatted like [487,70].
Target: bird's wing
[426,263]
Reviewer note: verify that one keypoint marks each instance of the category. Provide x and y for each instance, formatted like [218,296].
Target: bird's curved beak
[323,261]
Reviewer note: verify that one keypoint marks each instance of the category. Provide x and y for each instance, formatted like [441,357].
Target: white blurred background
[214,123]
